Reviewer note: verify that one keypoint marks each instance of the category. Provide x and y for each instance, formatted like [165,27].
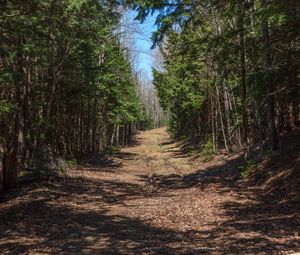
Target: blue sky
[142,44]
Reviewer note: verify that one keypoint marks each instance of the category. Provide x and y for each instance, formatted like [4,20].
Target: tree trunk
[118,135]
[10,169]
[94,129]
[10,162]
[243,74]
[270,96]
[221,119]
[1,165]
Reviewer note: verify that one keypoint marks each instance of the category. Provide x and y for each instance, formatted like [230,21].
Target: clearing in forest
[151,199]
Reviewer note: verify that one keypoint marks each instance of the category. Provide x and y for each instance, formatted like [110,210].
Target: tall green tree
[65,81]
[230,68]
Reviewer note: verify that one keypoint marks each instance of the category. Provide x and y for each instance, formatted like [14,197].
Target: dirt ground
[151,200]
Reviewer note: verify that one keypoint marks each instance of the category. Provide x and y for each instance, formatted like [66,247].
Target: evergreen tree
[231,68]
[65,81]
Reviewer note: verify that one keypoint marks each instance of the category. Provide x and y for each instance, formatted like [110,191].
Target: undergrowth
[247,169]
[208,151]
[47,165]
[111,150]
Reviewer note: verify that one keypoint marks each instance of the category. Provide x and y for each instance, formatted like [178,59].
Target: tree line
[154,115]
[66,83]
[230,76]
[231,69]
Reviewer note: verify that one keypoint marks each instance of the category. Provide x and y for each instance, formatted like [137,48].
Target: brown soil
[151,199]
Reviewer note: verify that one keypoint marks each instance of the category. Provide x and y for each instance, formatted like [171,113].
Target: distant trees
[154,115]
[66,83]
[231,70]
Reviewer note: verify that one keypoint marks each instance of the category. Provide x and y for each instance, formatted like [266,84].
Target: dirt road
[151,199]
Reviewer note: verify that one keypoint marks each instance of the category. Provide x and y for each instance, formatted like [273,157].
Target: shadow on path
[73,215]
[256,223]
[52,225]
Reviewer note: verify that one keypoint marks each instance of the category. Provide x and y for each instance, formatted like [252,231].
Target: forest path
[151,199]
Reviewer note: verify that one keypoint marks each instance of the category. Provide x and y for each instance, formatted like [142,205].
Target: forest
[67,86]
[108,161]
[231,73]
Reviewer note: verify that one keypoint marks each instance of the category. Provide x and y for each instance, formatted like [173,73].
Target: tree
[65,80]
[228,73]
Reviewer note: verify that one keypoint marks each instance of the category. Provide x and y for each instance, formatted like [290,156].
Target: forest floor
[152,199]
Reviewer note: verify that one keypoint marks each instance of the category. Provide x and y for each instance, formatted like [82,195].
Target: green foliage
[63,166]
[192,151]
[65,74]
[71,163]
[5,106]
[111,150]
[208,151]
[46,165]
[265,153]
[246,170]
[213,51]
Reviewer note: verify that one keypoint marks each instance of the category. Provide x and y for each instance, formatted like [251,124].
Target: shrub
[208,151]
[110,150]
[246,170]
[46,165]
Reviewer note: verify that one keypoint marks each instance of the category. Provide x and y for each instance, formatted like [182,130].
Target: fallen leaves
[130,208]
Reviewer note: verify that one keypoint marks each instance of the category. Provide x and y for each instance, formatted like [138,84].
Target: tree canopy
[67,85]
[231,69]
